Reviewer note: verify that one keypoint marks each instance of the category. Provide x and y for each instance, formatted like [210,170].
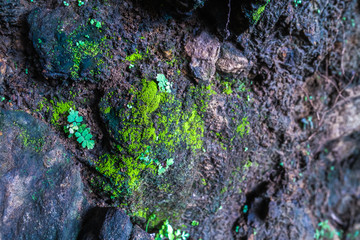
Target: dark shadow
[92,223]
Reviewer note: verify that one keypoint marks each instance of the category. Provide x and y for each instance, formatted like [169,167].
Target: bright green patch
[60,108]
[30,141]
[227,88]
[134,57]
[195,223]
[148,134]
[257,14]
[168,232]
[244,127]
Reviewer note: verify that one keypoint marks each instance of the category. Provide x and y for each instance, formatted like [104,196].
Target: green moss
[134,57]
[154,129]
[107,110]
[150,100]
[257,14]
[244,127]
[31,141]
[60,108]
[83,50]
[227,88]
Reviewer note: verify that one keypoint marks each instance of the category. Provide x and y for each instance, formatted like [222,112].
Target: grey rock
[117,226]
[41,191]
[68,45]
[139,234]
[231,60]
[110,224]
[204,52]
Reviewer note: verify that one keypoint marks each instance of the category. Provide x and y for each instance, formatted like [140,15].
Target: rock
[139,234]
[184,7]
[336,172]
[232,61]
[204,52]
[41,191]
[344,119]
[110,224]
[216,119]
[69,46]
[3,67]
[116,226]
[156,139]
[11,12]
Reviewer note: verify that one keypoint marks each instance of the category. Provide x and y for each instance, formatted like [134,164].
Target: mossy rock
[151,130]
[69,46]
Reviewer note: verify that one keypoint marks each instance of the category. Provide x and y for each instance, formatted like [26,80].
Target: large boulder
[41,191]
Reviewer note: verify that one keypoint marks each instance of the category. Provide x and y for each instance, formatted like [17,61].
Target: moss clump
[134,57]
[60,108]
[85,52]
[158,126]
[30,141]
[244,127]
[85,46]
[149,100]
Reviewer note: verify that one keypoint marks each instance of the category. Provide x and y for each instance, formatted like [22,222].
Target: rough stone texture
[345,118]
[68,45]
[204,52]
[139,234]
[11,12]
[110,224]
[184,7]
[216,119]
[336,180]
[117,225]
[41,191]
[2,70]
[232,61]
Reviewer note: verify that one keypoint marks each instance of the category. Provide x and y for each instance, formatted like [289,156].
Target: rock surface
[69,45]
[204,52]
[232,61]
[41,191]
[110,224]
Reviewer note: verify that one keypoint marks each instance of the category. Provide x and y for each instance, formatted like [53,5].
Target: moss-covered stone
[148,130]
[67,48]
